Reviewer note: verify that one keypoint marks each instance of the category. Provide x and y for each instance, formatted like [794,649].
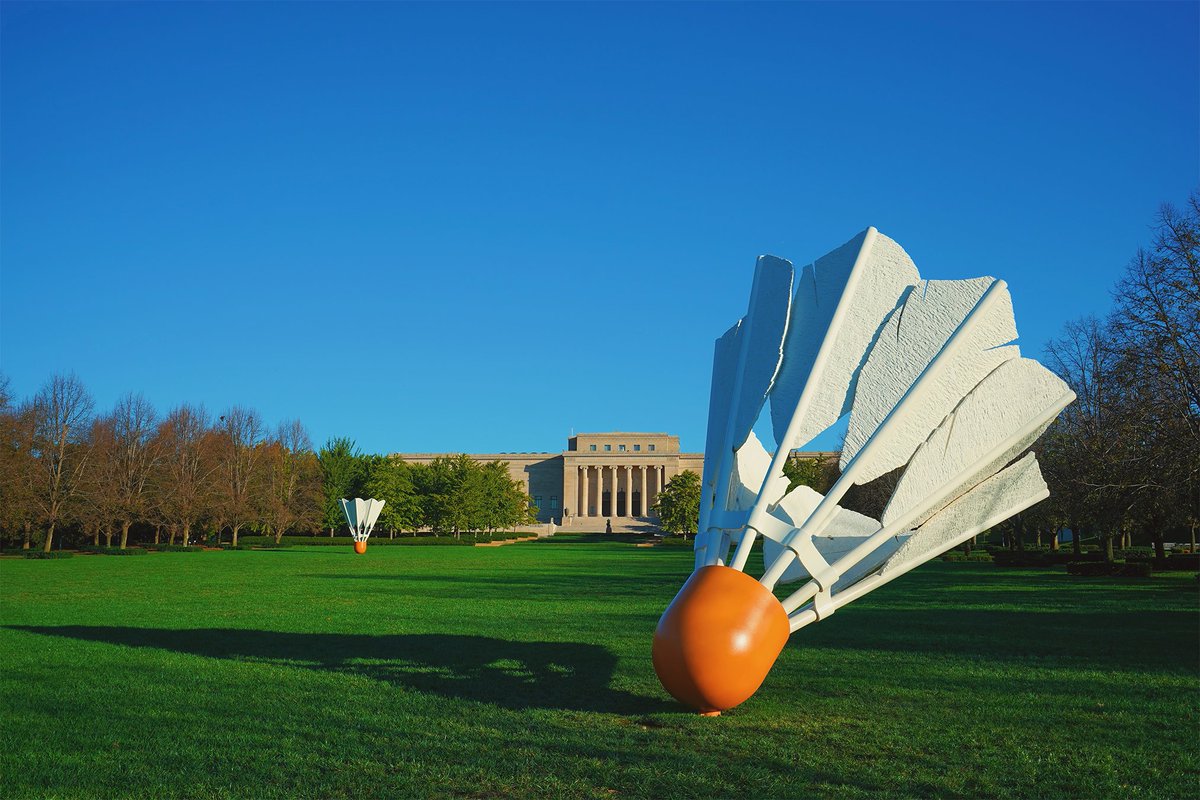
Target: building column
[612,491]
[600,491]
[628,490]
[645,509]
[583,501]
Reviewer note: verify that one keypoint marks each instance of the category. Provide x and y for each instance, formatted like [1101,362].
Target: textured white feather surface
[764,326]
[995,414]
[910,340]
[1012,488]
[884,273]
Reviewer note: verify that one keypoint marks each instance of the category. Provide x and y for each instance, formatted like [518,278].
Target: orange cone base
[360,547]
[718,639]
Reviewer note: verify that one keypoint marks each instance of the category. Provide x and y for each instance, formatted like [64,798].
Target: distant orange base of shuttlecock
[718,639]
[360,547]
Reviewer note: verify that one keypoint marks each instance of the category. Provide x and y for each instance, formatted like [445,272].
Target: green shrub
[1123,569]
[51,554]
[406,540]
[1180,561]
[174,548]
[954,555]
[1091,569]
[979,556]
[114,551]
[1136,569]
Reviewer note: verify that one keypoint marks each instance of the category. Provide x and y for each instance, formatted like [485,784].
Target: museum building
[600,475]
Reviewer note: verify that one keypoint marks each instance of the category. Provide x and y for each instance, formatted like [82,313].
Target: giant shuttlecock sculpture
[933,385]
[361,516]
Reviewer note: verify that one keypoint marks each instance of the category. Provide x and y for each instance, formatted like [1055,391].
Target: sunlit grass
[525,671]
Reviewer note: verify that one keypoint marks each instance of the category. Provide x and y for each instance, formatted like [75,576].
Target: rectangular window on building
[651,447]
[620,448]
[608,448]
[537,501]
[637,448]
[592,447]
[553,502]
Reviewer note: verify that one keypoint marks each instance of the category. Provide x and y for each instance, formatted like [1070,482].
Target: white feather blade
[725,357]
[1019,485]
[824,348]
[992,418]
[765,328]
[914,337]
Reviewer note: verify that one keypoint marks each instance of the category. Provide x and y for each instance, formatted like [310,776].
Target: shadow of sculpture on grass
[514,675]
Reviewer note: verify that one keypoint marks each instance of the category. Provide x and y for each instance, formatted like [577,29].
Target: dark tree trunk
[27,537]
[125,532]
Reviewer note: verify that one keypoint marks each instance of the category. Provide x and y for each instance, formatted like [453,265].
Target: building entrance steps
[642,525]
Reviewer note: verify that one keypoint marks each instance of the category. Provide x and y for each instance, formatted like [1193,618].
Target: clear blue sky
[476,227]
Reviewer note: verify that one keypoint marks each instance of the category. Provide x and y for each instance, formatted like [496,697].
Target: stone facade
[599,475]
[580,480]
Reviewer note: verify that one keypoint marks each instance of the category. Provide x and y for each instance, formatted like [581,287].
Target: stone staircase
[641,525]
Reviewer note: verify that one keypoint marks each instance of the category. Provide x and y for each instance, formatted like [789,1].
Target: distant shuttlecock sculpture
[933,385]
[361,516]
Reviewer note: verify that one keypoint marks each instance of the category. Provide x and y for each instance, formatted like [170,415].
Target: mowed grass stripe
[525,671]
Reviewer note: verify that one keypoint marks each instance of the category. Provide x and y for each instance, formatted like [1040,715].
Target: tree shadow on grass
[513,675]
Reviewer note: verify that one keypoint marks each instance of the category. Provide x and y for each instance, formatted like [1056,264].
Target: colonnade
[613,479]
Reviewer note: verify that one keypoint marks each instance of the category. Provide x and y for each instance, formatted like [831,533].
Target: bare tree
[184,482]
[240,435]
[16,465]
[60,412]
[95,507]
[1157,319]
[292,495]
[134,459]
[1094,456]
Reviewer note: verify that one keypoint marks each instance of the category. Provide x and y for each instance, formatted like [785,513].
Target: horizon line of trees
[64,468]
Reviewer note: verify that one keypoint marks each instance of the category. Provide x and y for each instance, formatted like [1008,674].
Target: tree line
[64,467]
[1123,460]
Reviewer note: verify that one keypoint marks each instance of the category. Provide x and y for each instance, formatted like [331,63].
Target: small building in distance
[599,475]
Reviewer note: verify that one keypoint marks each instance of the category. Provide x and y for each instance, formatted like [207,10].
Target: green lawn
[525,671]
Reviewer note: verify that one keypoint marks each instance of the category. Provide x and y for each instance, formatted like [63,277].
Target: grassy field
[525,671]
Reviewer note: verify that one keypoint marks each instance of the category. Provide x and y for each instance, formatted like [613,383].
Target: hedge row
[975,556]
[1042,558]
[114,551]
[375,541]
[1124,569]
